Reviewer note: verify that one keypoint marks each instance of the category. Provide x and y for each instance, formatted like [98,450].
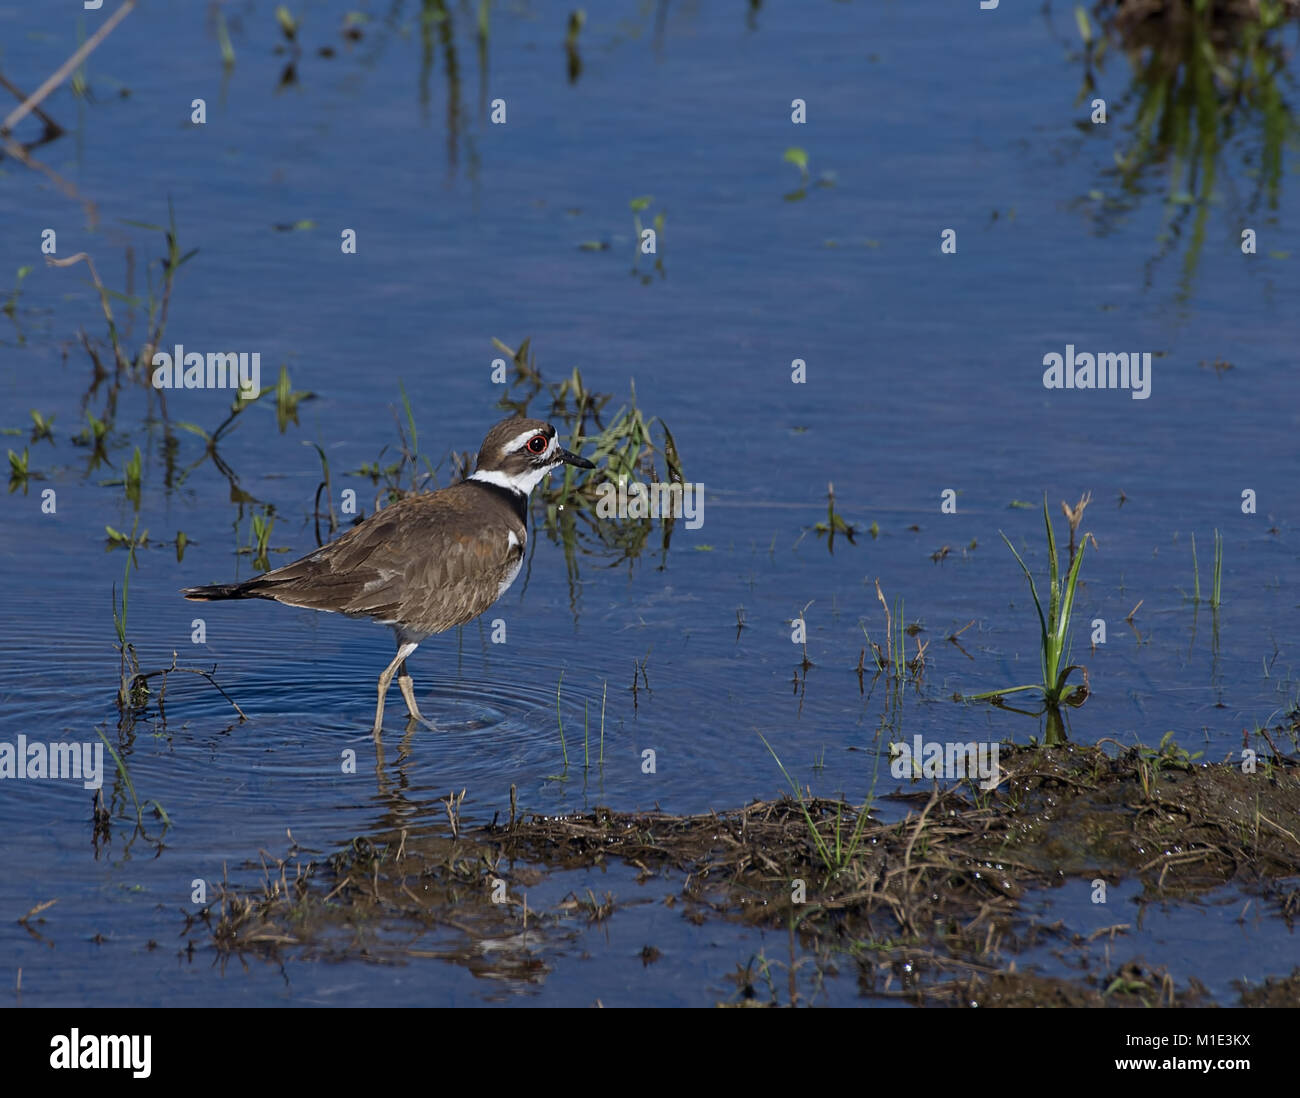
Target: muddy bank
[934,908]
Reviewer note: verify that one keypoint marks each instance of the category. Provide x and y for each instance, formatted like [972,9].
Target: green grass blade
[559,718]
[1196,573]
[1067,600]
[822,849]
[1033,590]
[998,693]
[1054,594]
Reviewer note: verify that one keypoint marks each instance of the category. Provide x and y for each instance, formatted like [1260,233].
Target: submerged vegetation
[1206,79]
[799,158]
[834,523]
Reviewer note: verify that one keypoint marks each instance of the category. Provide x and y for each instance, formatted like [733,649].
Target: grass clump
[1216,591]
[837,850]
[1054,624]
[628,446]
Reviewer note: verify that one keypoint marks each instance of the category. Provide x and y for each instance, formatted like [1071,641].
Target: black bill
[570,458]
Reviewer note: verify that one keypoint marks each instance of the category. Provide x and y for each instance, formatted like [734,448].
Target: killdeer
[428,562]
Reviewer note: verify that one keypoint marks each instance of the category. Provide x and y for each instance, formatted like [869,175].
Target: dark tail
[212,592]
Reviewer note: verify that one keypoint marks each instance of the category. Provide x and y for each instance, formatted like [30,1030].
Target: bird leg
[386,679]
[407,685]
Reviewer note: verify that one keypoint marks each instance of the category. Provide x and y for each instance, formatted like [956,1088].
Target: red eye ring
[538,444]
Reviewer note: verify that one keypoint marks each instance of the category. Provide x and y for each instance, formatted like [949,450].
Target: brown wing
[390,566]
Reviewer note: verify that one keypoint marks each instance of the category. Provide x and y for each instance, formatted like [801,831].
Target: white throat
[524,483]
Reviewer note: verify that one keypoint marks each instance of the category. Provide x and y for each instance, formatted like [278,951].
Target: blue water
[924,374]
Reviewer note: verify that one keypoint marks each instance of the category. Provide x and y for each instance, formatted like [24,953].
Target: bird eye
[537,444]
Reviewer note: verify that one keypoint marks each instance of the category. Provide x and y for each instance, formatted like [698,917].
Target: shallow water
[924,373]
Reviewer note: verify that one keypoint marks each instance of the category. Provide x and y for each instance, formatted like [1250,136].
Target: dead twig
[28,105]
[144,676]
[52,128]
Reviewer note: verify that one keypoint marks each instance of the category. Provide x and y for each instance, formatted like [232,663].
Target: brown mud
[933,908]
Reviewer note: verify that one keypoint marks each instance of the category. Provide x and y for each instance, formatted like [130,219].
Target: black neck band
[517,500]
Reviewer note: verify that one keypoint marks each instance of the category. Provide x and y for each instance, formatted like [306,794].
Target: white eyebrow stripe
[518,442]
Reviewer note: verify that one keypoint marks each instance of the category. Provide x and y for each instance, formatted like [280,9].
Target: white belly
[510,575]
[513,570]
